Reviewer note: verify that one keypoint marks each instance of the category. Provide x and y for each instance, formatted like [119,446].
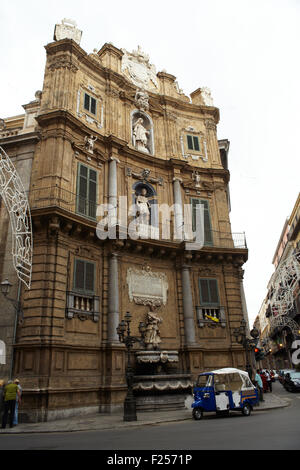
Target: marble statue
[152,334]
[140,135]
[143,207]
[197,179]
[206,95]
[89,143]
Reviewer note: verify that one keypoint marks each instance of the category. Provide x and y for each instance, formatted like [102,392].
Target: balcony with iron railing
[210,315]
[57,198]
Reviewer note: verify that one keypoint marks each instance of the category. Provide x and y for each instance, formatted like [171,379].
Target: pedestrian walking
[269,380]
[259,385]
[10,396]
[18,401]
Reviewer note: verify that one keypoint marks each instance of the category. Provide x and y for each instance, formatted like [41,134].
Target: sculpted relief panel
[146,287]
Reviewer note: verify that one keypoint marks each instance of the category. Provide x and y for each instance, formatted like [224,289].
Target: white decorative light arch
[284,285]
[15,199]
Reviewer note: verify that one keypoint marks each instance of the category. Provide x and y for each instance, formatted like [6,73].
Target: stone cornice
[20,139]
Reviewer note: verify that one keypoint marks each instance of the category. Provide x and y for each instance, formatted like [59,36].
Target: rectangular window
[209,293]
[86,191]
[208,238]
[193,143]
[84,276]
[89,104]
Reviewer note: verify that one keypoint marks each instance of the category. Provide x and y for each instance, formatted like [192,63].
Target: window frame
[89,108]
[193,138]
[87,212]
[210,303]
[208,241]
[84,290]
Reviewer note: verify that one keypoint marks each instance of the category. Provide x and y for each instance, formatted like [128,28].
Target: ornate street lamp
[240,335]
[128,340]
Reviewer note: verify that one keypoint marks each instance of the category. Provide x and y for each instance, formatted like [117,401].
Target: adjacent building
[279,316]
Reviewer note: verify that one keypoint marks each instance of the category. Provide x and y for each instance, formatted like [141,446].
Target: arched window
[142,132]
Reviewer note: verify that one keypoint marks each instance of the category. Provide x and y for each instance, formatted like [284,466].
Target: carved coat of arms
[136,66]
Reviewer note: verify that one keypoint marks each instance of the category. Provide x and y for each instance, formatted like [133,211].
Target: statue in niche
[152,335]
[143,207]
[140,136]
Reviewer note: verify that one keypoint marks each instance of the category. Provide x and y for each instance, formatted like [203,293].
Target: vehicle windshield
[204,381]
[295,375]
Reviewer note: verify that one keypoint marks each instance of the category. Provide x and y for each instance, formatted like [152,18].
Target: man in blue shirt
[259,385]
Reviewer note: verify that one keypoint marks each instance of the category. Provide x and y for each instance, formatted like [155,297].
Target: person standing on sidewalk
[269,380]
[10,396]
[18,401]
[259,385]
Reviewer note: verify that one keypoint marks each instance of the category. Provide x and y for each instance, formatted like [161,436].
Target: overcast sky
[246,52]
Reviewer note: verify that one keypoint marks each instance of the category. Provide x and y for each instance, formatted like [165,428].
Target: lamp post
[248,343]
[5,288]
[128,340]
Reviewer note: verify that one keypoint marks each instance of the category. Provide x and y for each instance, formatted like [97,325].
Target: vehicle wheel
[197,413]
[246,409]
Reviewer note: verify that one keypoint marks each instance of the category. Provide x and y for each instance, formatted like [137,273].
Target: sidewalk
[100,422]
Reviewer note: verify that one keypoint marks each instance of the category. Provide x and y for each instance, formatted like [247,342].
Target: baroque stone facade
[89,151]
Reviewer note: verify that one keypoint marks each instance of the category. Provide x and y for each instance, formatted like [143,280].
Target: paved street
[270,429]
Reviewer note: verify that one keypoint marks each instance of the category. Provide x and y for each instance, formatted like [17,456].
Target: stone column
[178,211]
[113,299]
[188,310]
[113,190]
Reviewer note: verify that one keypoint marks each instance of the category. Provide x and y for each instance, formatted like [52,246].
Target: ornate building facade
[117,145]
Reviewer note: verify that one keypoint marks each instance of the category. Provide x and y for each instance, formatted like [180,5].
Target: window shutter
[213,289]
[196,144]
[93,106]
[190,142]
[84,276]
[82,189]
[87,191]
[209,293]
[92,193]
[204,291]
[89,276]
[208,239]
[79,274]
[207,226]
[86,102]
